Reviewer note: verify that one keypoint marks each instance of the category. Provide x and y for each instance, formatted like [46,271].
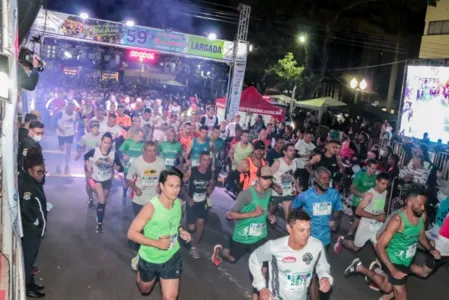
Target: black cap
[259,145]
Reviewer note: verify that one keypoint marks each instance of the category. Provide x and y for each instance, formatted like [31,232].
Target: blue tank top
[197,148]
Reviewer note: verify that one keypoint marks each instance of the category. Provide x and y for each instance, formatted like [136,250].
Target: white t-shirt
[291,270]
[102,123]
[303,149]
[115,131]
[231,128]
[66,123]
[146,176]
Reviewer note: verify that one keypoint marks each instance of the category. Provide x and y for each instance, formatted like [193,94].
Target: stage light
[363,84]
[250,48]
[130,23]
[67,54]
[84,16]
[212,36]
[354,83]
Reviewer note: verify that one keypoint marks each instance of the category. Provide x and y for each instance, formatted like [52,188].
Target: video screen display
[426,103]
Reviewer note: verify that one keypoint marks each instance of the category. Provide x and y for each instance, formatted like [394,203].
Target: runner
[219,148]
[142,177]
[241,150]
[305,148]
[197,146]
[252,165]
[210,120]
[200,185]
[250,210]
[185,135]
[130,150]
[372,213]
[171,150]
[147,124]
[396,247]
[100,163]
[112,127]
[329,159]
[88,142]
[363,181]
[66,124]
[283,170]
[292,260]
[323,204]
[160,221]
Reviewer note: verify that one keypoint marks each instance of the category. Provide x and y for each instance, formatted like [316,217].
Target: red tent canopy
[253,102]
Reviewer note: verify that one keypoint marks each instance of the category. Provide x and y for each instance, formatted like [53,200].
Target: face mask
[37,138]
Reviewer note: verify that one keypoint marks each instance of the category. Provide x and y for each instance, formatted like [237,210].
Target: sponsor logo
[289,259]
[307,258]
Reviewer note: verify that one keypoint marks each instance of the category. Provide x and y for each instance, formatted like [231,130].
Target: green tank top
[170,152]
[132,150]
[164,222]
[241,154]
[252,230]
[197,148]
[402,247]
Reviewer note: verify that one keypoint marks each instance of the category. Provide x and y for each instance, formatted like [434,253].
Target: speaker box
[28,10]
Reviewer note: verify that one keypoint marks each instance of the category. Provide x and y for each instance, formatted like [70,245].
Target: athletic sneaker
[135,263]
[374,265]
[352,268]
[216,259]
[194,252]
[99,228]
[90,204]
[338,247]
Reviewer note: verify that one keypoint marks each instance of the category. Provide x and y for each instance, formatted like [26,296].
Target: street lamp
[84,16]
[212,36]
[358,86]
[251,48]
[354,83]
[302,39]
[362,85]
[130,23]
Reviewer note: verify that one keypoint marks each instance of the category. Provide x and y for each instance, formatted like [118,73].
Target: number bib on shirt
[170,162]
[104,175]
[322,209]
[68,124]
[411,251]
[149,182]
[287,189]
[297,281]
[375,225]
[255,229]
[173,239]
[199,197]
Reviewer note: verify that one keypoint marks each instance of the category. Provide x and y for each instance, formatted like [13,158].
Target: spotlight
[67,54]
[212,36]
[84,16]
[130,23]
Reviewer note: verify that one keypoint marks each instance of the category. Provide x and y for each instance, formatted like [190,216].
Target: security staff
[32,140]
[33,210]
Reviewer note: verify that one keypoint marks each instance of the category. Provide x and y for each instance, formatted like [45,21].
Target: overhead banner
[117,34]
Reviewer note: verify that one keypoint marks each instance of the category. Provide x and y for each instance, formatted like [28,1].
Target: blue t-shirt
[319,207]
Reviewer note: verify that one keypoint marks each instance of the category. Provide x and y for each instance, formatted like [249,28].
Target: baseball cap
[259,145]
[94,124]
[265,172]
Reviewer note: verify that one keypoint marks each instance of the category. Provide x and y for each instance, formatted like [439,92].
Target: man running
[323,204]
[170,150]
[363,182]
[372,213]
[241,150]
[160,222]
[66,121]
[111,127]
[219,149]
[283,170]
[147,124]
[200,188]
[101,163]
[292,260]
[329,159]
[142,177]
[185,135]
[209,119]
[197,146]
[252,165]
[129,151]
[396,247]
[89,142]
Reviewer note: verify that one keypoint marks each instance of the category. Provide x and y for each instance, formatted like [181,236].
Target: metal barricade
[393,183]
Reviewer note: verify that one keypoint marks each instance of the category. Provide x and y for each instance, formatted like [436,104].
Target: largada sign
[204,47]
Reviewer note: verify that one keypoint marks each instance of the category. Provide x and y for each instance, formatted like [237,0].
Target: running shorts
[171,269]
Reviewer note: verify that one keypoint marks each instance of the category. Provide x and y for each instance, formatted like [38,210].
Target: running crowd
[172,158]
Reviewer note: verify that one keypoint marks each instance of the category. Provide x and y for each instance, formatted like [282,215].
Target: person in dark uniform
[23,131]
[33,210]
[31,140]
[329,159]
[200,185]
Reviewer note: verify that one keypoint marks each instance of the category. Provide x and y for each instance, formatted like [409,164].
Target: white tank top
[67,123]
[102,169]
[375,207]
[284,177]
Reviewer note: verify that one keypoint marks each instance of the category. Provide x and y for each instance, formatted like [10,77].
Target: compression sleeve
[323,269]
[89,154]
[256,260]
[117,162]
[243,199]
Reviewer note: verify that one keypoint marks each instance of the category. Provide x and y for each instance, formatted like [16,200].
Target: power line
[369,67]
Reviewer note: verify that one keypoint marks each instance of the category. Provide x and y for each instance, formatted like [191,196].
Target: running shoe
[216,259]
[352,268]
[194,252]
[90,204]
[135,263]
[99,228]
[338,247]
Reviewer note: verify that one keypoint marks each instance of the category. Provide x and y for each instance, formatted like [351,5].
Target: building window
[438,27]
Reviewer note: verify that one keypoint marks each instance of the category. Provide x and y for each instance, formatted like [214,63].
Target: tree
[286,73]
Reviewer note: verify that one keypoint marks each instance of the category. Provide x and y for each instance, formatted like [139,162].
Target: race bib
[104,175]
[173,240]
[322,209]
[255,229]
[287,189]
[149,182]
[297,281]
[170,162]
[199,197]
[375,225]
[68,124]
[411,251]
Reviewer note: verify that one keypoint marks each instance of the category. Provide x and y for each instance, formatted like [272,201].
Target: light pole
[358,87]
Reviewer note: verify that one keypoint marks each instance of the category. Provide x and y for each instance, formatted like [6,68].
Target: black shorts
[403,269]
[354,209]
[65,140]
[197,211]
[105,184]
[237,250]
[170,269]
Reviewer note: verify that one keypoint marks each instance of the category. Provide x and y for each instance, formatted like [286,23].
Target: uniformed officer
[35,133]
[33,209]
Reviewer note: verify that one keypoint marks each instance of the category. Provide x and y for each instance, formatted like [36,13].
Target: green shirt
[362,183]
[252,230]
[402,247]
[163,222]
[132,150]
[170,152]
[219,144]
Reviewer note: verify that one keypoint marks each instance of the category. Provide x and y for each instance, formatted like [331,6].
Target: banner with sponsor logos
[117,34]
